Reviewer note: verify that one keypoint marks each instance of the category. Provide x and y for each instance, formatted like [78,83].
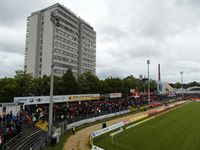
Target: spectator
[18,128]
[14,129]
[41,116]
[34,119]
[0,121]
[4,118]
[9,131]
[73,129]
[11,115]
[1,141]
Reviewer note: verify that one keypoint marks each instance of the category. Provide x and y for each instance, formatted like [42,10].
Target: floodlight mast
[148,63]
[55,22]
[181,72]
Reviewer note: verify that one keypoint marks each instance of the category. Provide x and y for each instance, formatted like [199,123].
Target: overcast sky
[128,33]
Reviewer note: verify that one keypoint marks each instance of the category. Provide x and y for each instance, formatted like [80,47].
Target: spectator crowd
[75,111]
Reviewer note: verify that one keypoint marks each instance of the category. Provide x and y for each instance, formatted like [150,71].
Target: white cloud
[128,33]
[10,62]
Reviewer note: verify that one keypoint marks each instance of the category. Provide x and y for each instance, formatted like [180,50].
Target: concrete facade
[74,43]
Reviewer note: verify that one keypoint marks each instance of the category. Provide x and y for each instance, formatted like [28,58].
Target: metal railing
[8,144]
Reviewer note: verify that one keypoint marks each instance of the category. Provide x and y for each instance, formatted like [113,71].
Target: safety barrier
[107,129]
[79,123]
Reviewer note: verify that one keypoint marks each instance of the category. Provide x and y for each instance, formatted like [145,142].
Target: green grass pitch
[178,129]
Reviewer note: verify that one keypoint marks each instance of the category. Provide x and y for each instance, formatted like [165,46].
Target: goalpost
[115,133]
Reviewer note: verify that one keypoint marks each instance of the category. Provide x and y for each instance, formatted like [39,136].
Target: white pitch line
[133,125]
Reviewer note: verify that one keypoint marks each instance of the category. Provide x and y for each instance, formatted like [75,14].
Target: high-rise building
[74,42]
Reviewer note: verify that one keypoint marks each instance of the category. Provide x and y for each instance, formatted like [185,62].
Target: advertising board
[94,147]
[40,99]
[31,100]
[83,97]
[107,129]
[136,118]
[115,95]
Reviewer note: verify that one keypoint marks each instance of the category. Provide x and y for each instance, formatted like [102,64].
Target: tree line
[178,85]
[23,84]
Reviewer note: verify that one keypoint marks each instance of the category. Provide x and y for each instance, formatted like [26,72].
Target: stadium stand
[28,138]
[33,134]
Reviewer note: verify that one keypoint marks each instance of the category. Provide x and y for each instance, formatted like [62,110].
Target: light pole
[127,94]
[55,22]
[182,84]
[148,63]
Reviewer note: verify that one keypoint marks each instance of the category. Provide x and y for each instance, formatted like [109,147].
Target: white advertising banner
[96,148]
[56,99]
[40,99]
[115,95]
[107,129]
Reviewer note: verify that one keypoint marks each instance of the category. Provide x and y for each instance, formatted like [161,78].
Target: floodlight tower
[148,63]
[55,22]
[181,72]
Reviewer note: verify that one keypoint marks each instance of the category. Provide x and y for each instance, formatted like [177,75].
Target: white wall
[32,46]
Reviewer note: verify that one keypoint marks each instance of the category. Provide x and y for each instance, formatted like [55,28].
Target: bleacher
[30,137]
[2,130]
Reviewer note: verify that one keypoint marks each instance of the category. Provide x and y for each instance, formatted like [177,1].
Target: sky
[129,32]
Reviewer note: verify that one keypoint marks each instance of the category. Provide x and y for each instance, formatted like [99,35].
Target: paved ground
[80,141]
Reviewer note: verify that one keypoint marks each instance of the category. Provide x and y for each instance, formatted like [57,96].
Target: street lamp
[148,63]
[55,22]
[182,83]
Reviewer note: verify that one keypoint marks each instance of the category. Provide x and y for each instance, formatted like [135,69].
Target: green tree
[8,89]
[36,86]
[45,85]
[130,83]
[68,84]
[116,84]
[191,84]
[153,85]
[57,88]
[23,83]
[177,85]
[88,83]
[104,87]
